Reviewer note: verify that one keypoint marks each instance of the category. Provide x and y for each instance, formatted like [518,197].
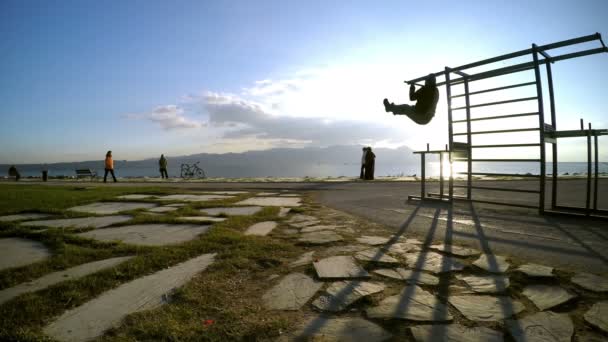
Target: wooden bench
[85,173]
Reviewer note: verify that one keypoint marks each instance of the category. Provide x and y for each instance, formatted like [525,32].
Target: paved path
[570,243]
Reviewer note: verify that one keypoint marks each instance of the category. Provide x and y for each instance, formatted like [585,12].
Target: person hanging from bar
[426,97]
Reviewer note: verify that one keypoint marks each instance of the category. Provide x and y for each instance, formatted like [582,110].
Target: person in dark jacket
[370,163]
[12,171]
[362,176]
[426,97]
[162,164]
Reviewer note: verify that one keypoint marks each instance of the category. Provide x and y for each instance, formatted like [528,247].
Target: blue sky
[181,77]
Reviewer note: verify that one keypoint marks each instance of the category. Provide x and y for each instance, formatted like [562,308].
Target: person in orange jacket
[109,167]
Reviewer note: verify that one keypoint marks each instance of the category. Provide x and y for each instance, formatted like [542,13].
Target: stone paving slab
[455,333]
[340,295]
[81,222]
[534,270]
[135,196]
[591,282]
[320,238]
[486,283]
[177,205]
[261,228]
[409,276]
[339,267]
[109,208]
[402,248]
[542,326]
[301,218]
[267,194]
[311,229]
[413,303]
[192,198]
[58,277]
[433,262]
[492,263]
[340,250]
[598,315]
[547,296]
[201,218]
[23,217]
[303,224]
[455,250]
[375,255]
[291,293]
[272,201]
[228,192]
[289,195]
[231,211]
[304,259]
[16,252]
[91,319]
[284,211]
[163,209]
[373,240]
[148,234]
[486,308]
[347,329]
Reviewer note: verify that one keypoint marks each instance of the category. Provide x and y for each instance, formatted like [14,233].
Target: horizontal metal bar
[495,89]
[500,131]
[577,133]
[520,53]
[582,209]
[500,203]
[545,54]
[497,103]
[522,67]
[431,152]
[464,198]
[499,160]
[505,145]
[499,189]
[414,197]
[499,174]
[497,117]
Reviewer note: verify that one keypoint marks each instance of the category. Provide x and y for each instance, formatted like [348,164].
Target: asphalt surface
[572,243]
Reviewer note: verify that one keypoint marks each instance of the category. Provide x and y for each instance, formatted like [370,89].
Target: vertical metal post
[553,144]
[596,173]
[469,140]
[541,126]
[588,201]
[448,96]
[441,175]
[422,180]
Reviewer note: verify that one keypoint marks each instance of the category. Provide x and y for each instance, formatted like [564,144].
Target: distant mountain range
[331,161]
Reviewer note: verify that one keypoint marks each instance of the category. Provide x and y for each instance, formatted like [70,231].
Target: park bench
[85,173]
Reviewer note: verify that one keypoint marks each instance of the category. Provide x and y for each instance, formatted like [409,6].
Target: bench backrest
[83,172]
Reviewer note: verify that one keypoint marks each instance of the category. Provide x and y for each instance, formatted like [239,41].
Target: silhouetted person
[370,163]
[12,171]
[109,167]
[162,164]
[426,97]
[362,176]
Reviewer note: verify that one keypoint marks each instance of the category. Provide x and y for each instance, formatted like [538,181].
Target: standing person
[426,98]
[109,167]
[370,163]
[12,171]
[362,176]
[162,164]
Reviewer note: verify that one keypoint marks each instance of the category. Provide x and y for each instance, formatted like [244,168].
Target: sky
[143,78]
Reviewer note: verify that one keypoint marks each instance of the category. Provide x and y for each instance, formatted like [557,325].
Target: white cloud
[169,117]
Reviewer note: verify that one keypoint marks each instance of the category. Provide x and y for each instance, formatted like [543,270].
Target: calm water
[323,170]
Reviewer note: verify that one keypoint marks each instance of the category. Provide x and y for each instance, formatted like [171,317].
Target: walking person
[370,163]
[362,176]
[109,167]
[426,98]
[162,164]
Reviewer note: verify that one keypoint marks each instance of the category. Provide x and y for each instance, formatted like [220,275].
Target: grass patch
[229,292]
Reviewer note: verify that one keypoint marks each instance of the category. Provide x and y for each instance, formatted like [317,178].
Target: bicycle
[192,171]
